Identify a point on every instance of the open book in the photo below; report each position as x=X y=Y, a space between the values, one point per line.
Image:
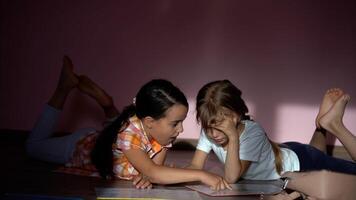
x=144 y=194
x=244 y=187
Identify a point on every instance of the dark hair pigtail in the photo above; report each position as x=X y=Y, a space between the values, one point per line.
x=102 y=154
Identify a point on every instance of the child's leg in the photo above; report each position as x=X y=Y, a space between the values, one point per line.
x=332 y=122
x=45 y=125
x=67 y=81
x=89 y=87
x=319 y=137
x=318 y=140
x=41 y=145
x=311 y=158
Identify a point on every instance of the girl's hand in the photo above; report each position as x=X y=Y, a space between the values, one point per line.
x=228 y=126
x=215 y=182
x=141 y=182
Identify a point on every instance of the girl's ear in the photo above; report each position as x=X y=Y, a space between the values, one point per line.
x=236 y=118
x=148 y=122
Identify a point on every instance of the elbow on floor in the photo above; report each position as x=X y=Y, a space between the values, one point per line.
x=231 y=180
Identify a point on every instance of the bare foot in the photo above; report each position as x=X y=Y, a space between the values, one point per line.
x=68 y=79
x=87 y=86
x=330 y=97
x=332 y=120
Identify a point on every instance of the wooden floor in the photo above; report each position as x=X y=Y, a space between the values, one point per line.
x=23 y=175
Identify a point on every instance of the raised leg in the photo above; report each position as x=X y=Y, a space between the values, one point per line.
x=332 y=122
x=40 y=143
x=89 y=87
x=318 y=139
x=67 y=81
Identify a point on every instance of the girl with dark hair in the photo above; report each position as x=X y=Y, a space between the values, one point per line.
x=243 y=146
x=132 y=146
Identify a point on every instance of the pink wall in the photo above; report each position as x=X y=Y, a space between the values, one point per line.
x=282 y=55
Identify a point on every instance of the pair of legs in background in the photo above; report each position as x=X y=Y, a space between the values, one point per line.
x=41 y=144
x=328 y=121
x=323 y=184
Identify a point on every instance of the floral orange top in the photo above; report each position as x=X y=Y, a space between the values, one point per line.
x=133 y=137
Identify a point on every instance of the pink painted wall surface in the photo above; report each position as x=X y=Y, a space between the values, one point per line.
x=282 y=54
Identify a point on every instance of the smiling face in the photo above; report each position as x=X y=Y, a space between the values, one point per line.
x=166 y=129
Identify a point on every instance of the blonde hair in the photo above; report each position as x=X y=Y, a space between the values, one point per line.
x=278 y=162
x=217 y=96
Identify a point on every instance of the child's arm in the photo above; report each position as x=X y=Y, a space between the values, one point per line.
x=234 y=166
x=198 y=160
x=141 y=181
x=166 y=175
x=160 y=157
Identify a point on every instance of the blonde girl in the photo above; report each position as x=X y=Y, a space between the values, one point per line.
x=242 y=144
